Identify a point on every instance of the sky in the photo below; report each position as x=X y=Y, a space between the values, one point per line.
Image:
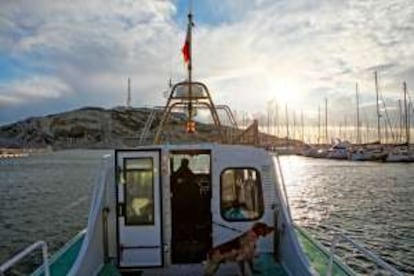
x=56 y=56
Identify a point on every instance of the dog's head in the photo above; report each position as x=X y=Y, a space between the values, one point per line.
x=261 y=229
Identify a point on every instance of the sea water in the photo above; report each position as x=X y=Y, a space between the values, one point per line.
x=373 y=202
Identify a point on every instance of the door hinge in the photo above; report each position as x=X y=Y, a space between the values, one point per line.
x=121 y=207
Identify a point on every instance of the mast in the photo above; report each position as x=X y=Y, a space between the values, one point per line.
x=410 y=107
x=287 y=124
x=269 y=104
x=294 y=125
x=346 y=127
x=326 y=120
x=400 y=135
x=276 y=118
x=357 y=106
x=407 y=131
x=378 y=111
x=303 y=127
x=319 y=124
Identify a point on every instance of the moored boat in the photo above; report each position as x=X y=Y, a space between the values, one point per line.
x=340 y=150
x=400 y=153
x=369 y=152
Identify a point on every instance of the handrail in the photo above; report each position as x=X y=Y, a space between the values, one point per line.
x=147 y=126
x=282 y=180
x=11 y=262
x=339 y=235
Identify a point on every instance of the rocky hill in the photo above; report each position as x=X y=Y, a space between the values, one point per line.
x=95 y=127
x=90 y=127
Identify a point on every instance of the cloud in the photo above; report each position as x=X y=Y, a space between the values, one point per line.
x=249 y=52
x=33 y=89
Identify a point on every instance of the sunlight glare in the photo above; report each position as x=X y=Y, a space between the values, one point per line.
x=284 y=91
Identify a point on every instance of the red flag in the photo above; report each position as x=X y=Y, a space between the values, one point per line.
x=186 y=48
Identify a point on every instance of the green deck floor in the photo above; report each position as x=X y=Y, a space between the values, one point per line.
x=109 y=270
x=319 y=257
x=63 y=260
x=266 y=265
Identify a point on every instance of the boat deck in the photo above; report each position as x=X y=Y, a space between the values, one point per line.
x=63 y=260
x=263 y=263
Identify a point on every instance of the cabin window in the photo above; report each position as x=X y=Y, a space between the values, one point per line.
x=139 y=191
x=241 y=194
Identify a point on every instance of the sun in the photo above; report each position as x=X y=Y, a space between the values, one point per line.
x=284 y=91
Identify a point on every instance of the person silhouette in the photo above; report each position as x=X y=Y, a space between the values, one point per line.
x=183 y=173
x=185 y=198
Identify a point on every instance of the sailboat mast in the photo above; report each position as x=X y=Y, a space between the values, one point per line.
x=276 y=120
x=400 y=135
x=294 y=125
x=287 y=123
x=326 y=120
x=410 y=107
x=346 y=128
x=269 y=104
x=407 y=131
x=319 y=124
x=378 y=111
x=303 y=127
x=357 y=106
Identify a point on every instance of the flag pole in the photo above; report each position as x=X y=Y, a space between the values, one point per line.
x=189 y=65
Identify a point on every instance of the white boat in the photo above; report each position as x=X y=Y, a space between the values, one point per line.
x=403 y=152
x=315 y=152
x=340 y=150
x=171 y=209
x=369 y=152
x=400 y=153
x=364 y=154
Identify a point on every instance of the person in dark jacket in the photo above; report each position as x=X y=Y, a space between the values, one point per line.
x=185 y=198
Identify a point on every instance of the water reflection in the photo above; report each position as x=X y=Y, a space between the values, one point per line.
x=372 y=201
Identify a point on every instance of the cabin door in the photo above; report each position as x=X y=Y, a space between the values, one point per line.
x=237 y=200
x=139 y=209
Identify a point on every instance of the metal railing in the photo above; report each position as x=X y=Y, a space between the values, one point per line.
x=18 y=257
x=282 y=183
x=340 y=236
x=147 y=126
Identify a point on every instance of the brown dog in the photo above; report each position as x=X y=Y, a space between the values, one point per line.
x=240 y=249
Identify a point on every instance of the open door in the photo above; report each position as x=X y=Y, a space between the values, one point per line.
x=190 y=205
x=139 y=208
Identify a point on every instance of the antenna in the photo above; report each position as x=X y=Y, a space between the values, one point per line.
x=128 y=103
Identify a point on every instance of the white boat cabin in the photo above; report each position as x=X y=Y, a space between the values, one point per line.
x=162 y=206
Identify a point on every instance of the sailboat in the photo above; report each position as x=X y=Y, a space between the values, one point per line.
x=370 y=151
x=171 y=209
x=403 y=153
